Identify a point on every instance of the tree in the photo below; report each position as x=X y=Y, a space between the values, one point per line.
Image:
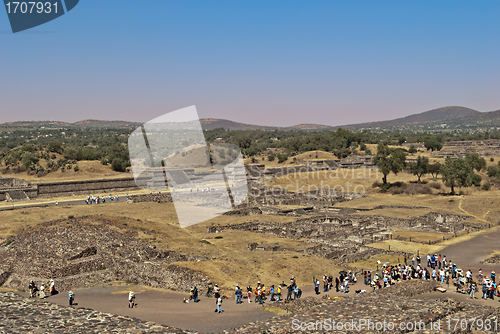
x=456 y=173
x=412 y=149
x=434 y=169
x=420 y=167
x=493 y=171
x=55 y=146
x=389 y=160
x=432 y=144
x=475 y=161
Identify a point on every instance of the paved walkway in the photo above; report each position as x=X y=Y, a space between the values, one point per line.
x=167 y=308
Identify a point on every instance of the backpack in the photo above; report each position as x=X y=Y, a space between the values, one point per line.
x=217 y=294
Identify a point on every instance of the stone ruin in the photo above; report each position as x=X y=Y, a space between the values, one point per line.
x=346 y=238
x=79 y=253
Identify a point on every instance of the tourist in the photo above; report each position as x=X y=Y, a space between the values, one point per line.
x=42 y=291
x=278 y=292
x=249 y=294
x=32 y=288
x=52 y=288
x=290 y=291
x=296 y=292
x=131 y=299
x=428 y=260
x=337 y=283
x=219 y=305
x=271 y=293
x=195 y=294
x=472 y=290
x=316 y=286
x=71 y=296
x=493 y=276
x=238 y=294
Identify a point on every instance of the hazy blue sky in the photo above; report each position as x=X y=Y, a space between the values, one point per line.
x=263 y=62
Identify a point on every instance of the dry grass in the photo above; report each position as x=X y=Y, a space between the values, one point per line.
x=232 y=263
x=422 y=236
x=89 y=170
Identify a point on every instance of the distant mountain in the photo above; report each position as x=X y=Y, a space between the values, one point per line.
x=451 y=116
x=214 y=123
x=439 y=115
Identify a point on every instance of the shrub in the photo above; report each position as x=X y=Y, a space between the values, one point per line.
x=486 y=186
x=492 y=159
x=282 y=157
x=493 y=171
x=271 y=157
x=412 y=149
x=76 y=169
x=118 y=165
x=435 y=185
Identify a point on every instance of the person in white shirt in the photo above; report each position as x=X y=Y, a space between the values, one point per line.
x=131 y=299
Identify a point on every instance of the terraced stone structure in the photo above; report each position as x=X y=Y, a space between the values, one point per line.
x=79 y=253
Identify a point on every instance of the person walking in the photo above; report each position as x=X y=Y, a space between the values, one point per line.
x=290 y=291
x=71 y=297
x=278 y=292
x=271 y=293
x=219 y=304
x=316 y=285
x=473 y=290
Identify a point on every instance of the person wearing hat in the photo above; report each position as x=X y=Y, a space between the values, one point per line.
x=493 y=276
x=131 y=299
x=42 y=291
x=71 y=296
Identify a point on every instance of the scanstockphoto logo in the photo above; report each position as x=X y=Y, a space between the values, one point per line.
x=170 y=152
x=25 y=15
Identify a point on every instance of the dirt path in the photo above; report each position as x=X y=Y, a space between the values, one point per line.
x=468 y=254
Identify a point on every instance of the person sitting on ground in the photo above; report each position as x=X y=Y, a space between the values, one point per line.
x=131 y=299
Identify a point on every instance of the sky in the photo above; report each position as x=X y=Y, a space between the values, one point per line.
x=270 y=62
